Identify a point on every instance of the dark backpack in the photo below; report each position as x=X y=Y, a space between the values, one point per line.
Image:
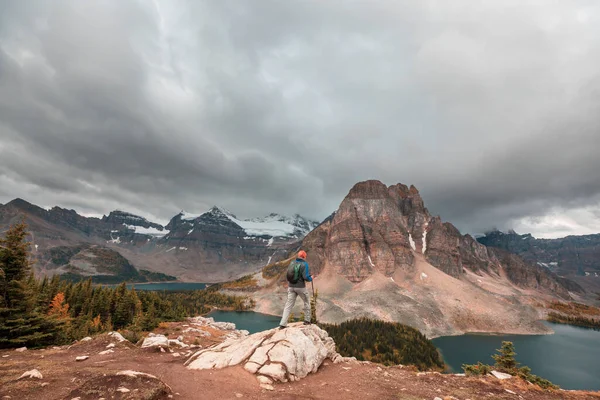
x=294 y=272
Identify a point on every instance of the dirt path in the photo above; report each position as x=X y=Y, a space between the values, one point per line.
x=333 y=381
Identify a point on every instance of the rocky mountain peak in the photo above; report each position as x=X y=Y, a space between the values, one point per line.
x=220 y=212
x=381 y=229
x=25 y=206
x=371 y=189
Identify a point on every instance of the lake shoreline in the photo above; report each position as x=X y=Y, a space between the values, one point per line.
x=568 y=356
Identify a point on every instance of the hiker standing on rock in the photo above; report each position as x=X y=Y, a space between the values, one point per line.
x=297 y=275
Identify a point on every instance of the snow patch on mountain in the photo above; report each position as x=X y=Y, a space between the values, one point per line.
x=186 y=216
x=273 y=225
x=147 y=231
x=371 y=261
x=424 y=238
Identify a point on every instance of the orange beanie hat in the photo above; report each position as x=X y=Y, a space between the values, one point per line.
x=302 y=254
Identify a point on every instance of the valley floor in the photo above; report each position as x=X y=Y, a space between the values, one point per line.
x=62 y=376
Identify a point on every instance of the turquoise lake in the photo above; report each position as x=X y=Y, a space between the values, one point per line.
x=569 y=358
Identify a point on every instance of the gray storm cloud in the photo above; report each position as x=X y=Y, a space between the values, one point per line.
x=489 y=108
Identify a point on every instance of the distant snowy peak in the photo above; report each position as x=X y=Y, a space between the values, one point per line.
x=295 y=225
x=273 y=225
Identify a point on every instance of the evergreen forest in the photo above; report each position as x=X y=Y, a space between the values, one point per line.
x=50 y=311
x=384 y=342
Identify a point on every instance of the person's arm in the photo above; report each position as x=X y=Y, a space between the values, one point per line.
x=306 y=274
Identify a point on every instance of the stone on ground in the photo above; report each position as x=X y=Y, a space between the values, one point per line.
x=34 y=373
x=501 y=375
x=81 y=358
x=117 y=336
x=135 y=374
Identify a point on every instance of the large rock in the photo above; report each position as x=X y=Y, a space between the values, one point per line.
x=281 y=355
x=154 y=341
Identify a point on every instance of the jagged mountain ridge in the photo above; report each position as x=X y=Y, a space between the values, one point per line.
x=571 y=255
x=209 y=247
x=384 y=256
x=576 y=257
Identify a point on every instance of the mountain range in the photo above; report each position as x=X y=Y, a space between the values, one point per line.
x=383 y=255
x=574 y=257
x=208 y=247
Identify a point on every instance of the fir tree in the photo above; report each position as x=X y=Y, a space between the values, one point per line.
x=505 y=361
x=20 y=322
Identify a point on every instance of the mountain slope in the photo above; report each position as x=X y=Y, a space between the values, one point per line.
x=383 y=255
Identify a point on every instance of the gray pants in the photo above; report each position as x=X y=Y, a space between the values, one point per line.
x=291 y=300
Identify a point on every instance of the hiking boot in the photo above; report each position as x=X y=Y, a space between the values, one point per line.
x=307 y=323
x=282 y=327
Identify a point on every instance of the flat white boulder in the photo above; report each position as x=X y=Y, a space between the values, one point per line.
x=86 y=339
x=81 y=358
x=34 y=373
x=154 y=341
x=281 y=355
x=501 y=375
x=21 y=349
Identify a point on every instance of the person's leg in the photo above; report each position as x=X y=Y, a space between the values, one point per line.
x=289 y=304
x=303 y=293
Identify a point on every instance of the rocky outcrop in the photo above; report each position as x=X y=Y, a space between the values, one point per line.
x=278 y=355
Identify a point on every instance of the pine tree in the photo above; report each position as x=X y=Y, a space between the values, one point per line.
x=20 y=322
x=14 y=263
x=505 y=361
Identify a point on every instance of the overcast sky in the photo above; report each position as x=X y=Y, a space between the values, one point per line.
x=490 y=108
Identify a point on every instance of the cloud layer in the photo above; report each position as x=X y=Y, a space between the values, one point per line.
x=489 y=108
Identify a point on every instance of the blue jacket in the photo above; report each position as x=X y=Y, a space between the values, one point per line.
x=306 y=277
